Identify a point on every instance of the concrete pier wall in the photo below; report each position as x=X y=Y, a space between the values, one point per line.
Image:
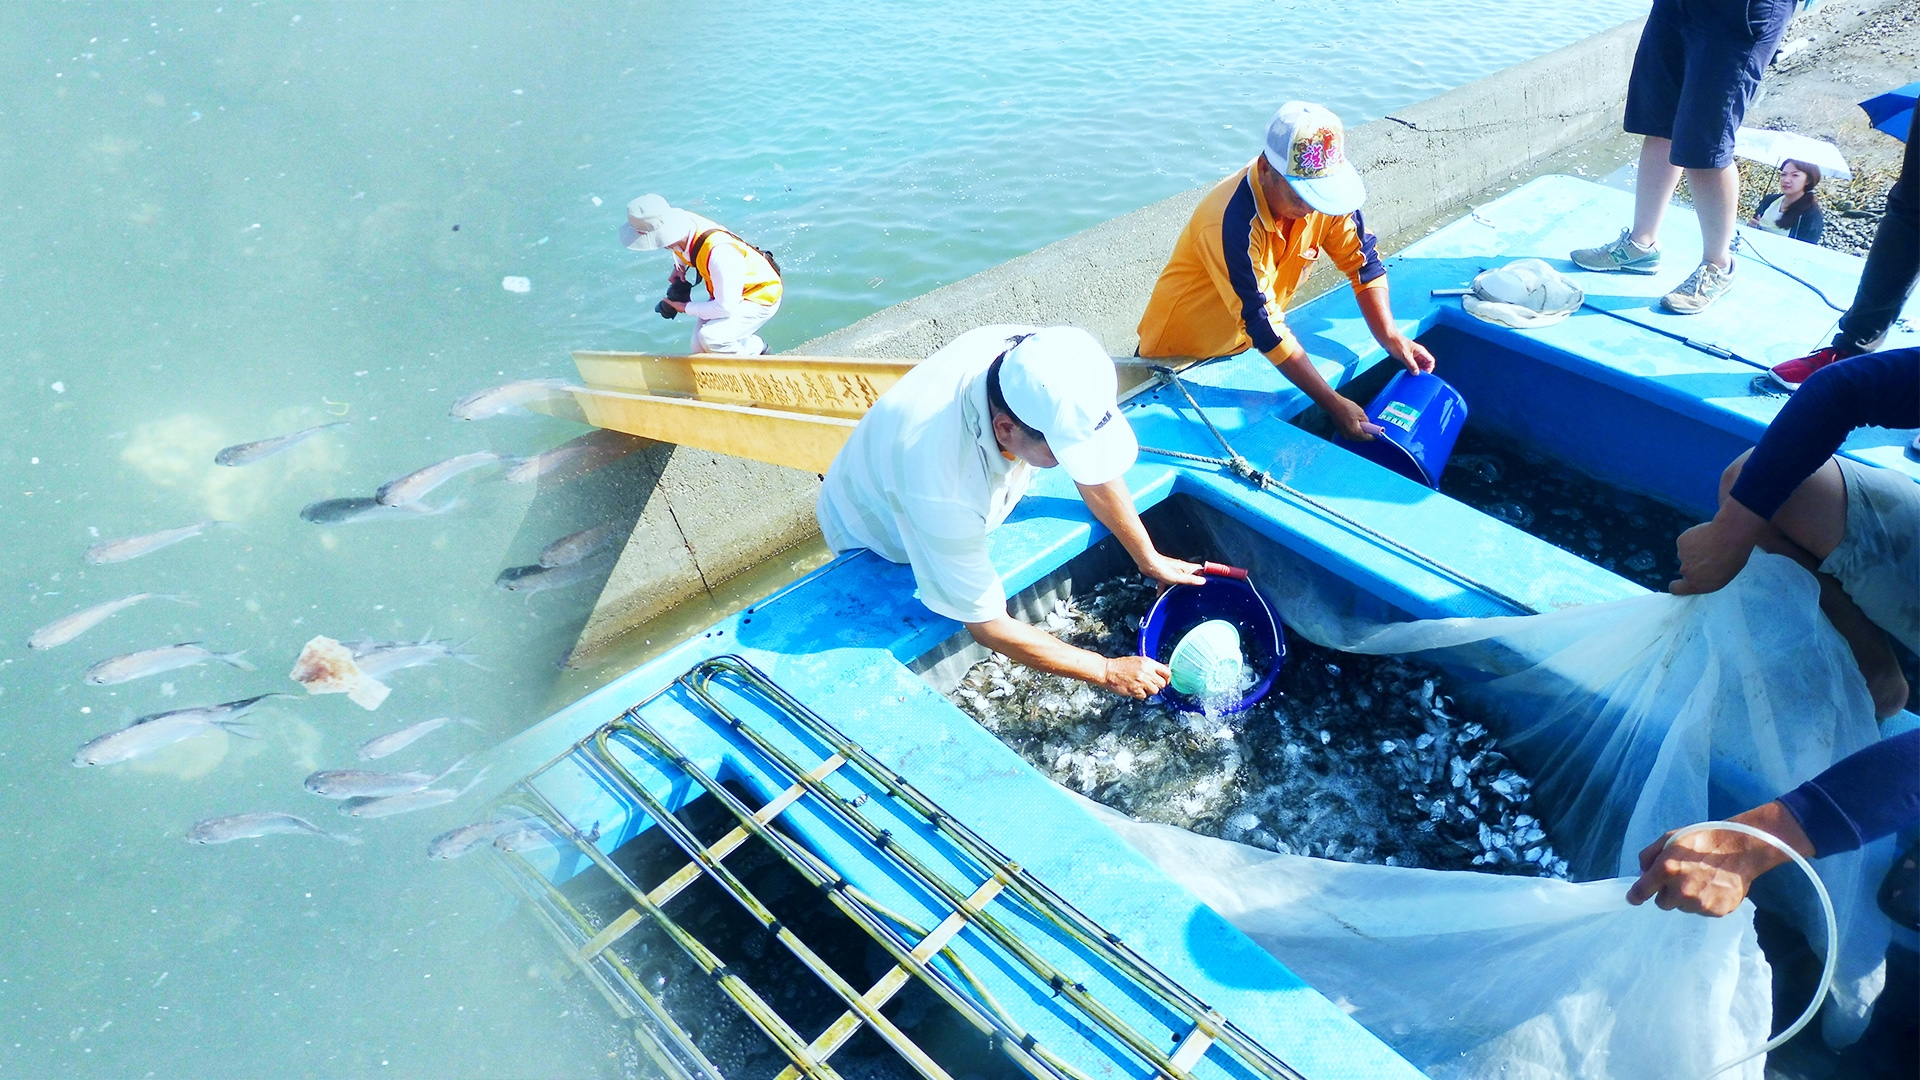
x=711 y=517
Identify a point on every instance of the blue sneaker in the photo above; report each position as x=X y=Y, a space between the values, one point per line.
x=1622 y=255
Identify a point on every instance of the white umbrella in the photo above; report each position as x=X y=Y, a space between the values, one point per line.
x=1775 y=147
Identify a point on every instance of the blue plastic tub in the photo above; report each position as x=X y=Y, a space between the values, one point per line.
x=1226 y=595
x=1422 y=417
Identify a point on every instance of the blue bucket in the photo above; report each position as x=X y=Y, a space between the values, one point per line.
x=1422 y=416
x=1226 y=595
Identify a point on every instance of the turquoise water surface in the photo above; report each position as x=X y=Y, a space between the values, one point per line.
x=232 y=221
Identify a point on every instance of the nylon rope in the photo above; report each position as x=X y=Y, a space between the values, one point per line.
x=1260 y=478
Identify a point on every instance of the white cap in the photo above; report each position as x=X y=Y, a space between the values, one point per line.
x=653 y=224
x=1308 y=145
x=1060 y=381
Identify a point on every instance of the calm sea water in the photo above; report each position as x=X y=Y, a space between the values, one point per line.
x=230 y=221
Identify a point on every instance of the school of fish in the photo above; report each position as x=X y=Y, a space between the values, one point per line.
x=362 y=794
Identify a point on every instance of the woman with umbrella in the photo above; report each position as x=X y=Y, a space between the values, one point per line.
x=1794 y=209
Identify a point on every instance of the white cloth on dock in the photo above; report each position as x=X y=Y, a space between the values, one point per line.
x=1525 y=294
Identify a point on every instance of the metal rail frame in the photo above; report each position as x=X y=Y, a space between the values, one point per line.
x=918 y=953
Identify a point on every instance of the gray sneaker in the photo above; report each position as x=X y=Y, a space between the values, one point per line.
x=1622 y=254
x=1700 y=290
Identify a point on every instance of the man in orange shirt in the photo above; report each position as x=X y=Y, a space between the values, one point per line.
x=1251 y=243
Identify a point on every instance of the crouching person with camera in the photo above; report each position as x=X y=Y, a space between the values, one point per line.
x=742 y=281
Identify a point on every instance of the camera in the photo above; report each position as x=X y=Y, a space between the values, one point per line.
x=679 y=289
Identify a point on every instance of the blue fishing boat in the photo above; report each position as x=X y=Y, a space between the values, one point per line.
x=798 y=763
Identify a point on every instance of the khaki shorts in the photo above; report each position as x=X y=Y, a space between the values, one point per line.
x=1878 y=561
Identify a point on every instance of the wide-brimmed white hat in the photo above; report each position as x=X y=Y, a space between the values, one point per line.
x=1308 y=145
x=653 y=224
x=1062 y=382
x=1524 y=294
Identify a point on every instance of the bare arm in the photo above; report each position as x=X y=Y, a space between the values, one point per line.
x=1378 y=311
x=1297 y=366
x=1130 y=676
x=1112 y=505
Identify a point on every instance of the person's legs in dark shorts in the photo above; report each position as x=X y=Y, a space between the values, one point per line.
x=1694 y=73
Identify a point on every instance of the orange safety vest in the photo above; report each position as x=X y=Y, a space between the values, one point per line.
x=763 y=279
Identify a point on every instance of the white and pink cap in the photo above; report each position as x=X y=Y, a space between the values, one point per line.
x=1308 y=145
x=1062 y=382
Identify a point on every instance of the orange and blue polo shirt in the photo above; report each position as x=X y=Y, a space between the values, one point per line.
x=1235 y=267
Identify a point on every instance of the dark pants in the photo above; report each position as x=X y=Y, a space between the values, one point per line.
x=1695 y=71
x=1892 y=263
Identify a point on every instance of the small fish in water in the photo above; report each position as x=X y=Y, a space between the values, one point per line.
x=425 y=799
x=67 y=627
x=381 y=745
x=573 y=547
x=576 y=457
x=154 y=661
x=537 y=578
x=531 y=833
x=259 y=823
x=145 y=736
x=457 y=842
x=350 y=511
x=510 y=397
x=377 y=658
x=226 y=710
x=362 y=784
x=132 y=547
x=417 y=485
x=249 y=452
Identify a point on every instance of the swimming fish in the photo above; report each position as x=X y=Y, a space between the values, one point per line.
x=360 y=508
x=573 y=547
x=147 y=662
x=258 y=823
x=377 y=658
x=247 y=453
x=531 y=833
x=67 y=627
x=362 y=784
x=381 y=745
x=424 y=799
x=457 y=842
x=226 y=710
x=575 y=457
x=143 y=737
x=512 y=396
x=132 y=547
x=537 y=578
x=416 y=485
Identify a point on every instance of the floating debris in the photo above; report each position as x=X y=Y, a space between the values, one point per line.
x=326 y=667
x=1356 y=758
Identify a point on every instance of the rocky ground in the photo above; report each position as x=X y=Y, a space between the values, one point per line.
x=1355 y=758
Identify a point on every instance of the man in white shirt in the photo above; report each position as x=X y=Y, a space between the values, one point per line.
x=743 y=284
x=943 y=456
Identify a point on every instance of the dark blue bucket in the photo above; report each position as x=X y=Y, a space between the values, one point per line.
x=1422 y=416
x=1226 y=595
